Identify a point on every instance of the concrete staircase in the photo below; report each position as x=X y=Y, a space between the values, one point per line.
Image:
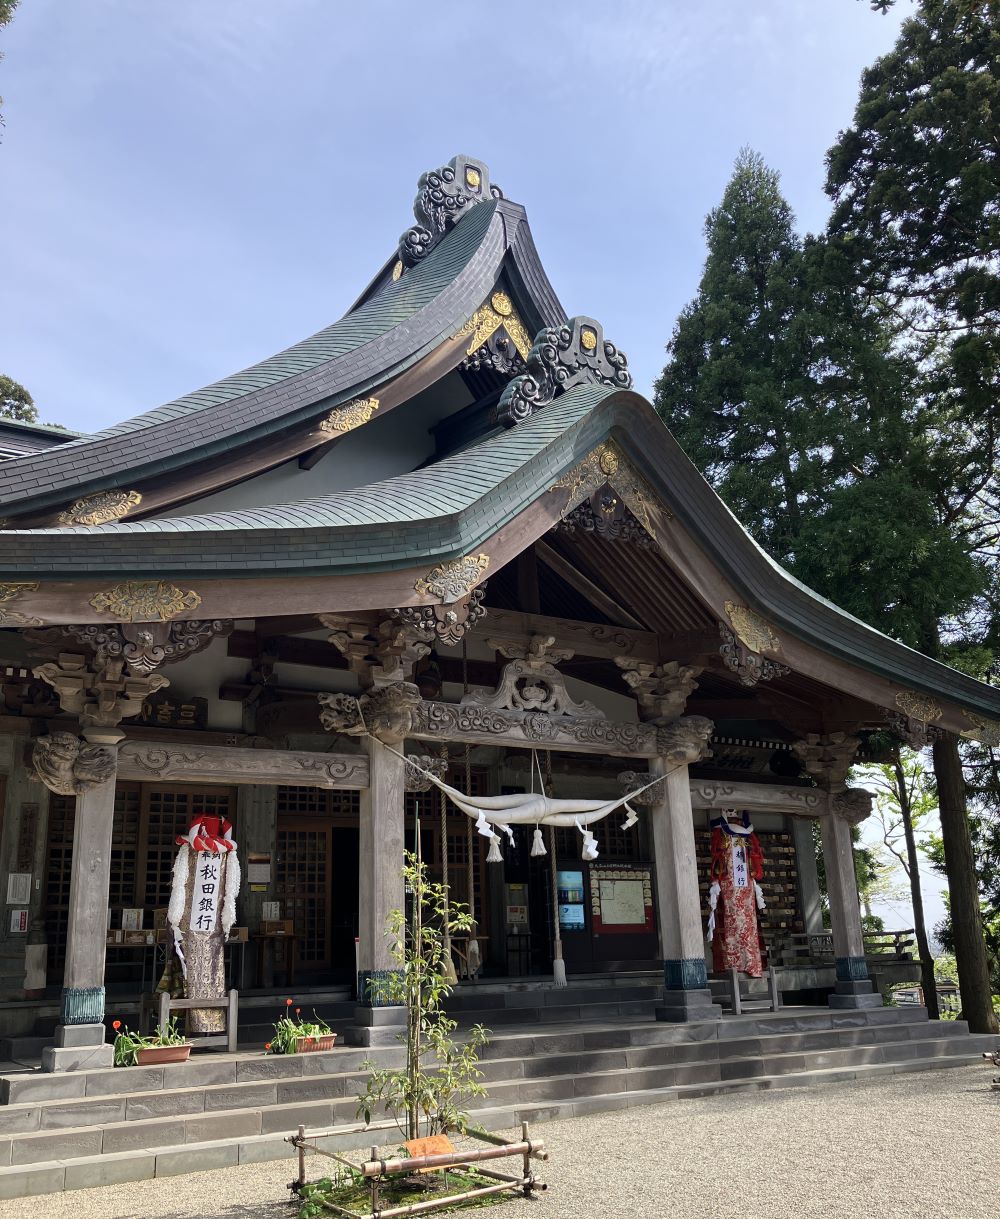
x=561 y=1059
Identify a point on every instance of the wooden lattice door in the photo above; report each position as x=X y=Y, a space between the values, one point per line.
x=302 y=883
x=166 y=814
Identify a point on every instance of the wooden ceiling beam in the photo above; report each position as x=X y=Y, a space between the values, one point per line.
x=582 y=584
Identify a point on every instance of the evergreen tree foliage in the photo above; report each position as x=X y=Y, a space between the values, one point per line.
x=16 y=402
x=916 y=189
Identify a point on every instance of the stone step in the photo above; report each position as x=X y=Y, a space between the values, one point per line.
x=122 y=1122
x=77 y=1172
x=246 y=1081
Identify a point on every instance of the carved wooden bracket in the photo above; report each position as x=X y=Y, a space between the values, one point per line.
x=531 y=682
x=144 y=646
x=445 y=623
x=661 y=691
x=827 y=759
x=69 y=766
x=748 y=667
x=685 y=740
x=101 y=697
x=386 y=712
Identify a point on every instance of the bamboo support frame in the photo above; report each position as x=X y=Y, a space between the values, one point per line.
x=377 y=1171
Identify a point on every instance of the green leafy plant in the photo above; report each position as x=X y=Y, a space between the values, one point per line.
x=127 y=1044
x=289 y=1029
x=440 y=1074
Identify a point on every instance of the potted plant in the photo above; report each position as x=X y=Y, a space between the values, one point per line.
x=293 y=1035
x=167 y=1044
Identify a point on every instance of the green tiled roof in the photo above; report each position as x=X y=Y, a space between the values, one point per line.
x=399 y=300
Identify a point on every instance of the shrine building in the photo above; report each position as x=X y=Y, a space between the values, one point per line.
x=444 y=528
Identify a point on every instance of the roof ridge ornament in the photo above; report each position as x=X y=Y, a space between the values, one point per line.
x=444 y=196
x=561 y=358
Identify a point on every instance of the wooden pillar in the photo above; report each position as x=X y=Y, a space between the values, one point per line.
x=380 y=863
x=808 y=875
x=79 y=1037
x=854 y=988
x=682 y=939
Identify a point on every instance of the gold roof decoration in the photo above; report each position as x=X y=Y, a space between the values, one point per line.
x=986 y=732
x=397 y=271
x=145 y=601
x=9 y=591
x=918 y=706
x=349 y=416
x=100 y=508
x=486 y=321
x=607 y=464
x=588 y=338
x=753 y=631
x=450 y=582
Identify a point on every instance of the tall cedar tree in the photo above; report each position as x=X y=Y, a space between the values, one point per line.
x=916 y=189
x=777 y=387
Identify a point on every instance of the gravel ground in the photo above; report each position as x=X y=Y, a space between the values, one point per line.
x=920 y=1146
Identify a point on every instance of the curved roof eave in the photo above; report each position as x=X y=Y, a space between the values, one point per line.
x=380 y=337
x=448 y=509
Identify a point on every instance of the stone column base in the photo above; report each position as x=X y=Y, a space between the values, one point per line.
x=854 y=988
x=78 y=1047
x=854 y=995
x=686 y=1006
x=376 y=1026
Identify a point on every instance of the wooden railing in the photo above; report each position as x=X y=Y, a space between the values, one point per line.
x=802 y=947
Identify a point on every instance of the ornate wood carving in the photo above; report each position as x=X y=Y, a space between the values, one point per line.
x=747 y=666
x=531 y=682
x=560 y=358
x=606 y=517
x=145 y=601
x=487 y=320
x=918 y=706
x=444 y=196
x=349 y=416
x=69 y=766
x=751 y=629
x=662 y=690
x=435 y=721
x=606 y=466
x=9 y=591
x=632 y=780
x=10 y=617
x=827 y=759
x=854 y=804
x=224 y=764
x=446 y=623
x=414 y=780
x=987 y=732
x=797 y=801
x=685 y=740
x=144 y=647
x=386 y=712
x=450 y=582
x=101 y=507
x=101 y=697
x=915 y=733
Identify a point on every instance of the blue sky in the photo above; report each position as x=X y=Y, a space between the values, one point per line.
x=191 y=185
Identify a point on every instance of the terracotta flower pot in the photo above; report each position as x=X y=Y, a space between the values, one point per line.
x=153 y=1054
x=311 y=1045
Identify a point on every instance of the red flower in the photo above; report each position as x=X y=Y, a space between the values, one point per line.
x=116 y=1025
x=289 y=1002
x=298 y=1010
x=267 y=1045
